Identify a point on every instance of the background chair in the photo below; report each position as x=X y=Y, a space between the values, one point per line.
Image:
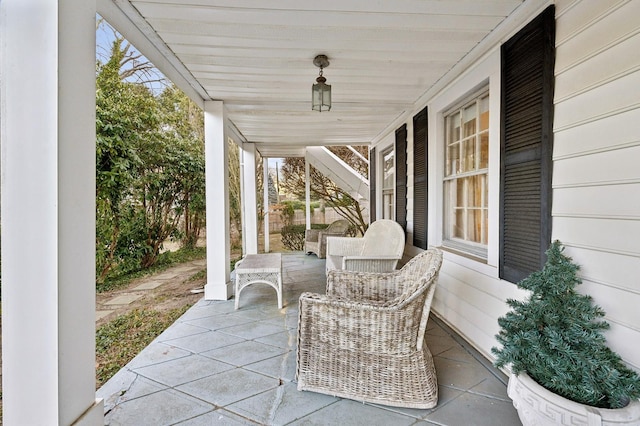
x=377 y=251
x=315 y=240
x=364 y=339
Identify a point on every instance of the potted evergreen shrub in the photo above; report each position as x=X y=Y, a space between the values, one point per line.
x=562 y=370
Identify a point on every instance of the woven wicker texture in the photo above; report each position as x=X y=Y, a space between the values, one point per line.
x=315 y=240
x=378 y=250
x=363 y=340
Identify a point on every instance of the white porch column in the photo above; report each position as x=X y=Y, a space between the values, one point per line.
x=307 y=190
x=48 y=212
x=250 y=201
x=219 y=286
x=265 y=187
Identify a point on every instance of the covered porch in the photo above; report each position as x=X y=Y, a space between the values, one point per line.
x=400 y=72
x=218 y=365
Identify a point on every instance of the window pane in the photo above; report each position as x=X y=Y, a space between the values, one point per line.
x=453 y=160
x=387 y=205
x=459 y=193
x=389 y=170
x=469 y=121
x=469 y=160
x=466 y=170
x=484 y=150
x=453 y=128
x=458 y=226
x=484 y=113
x=474 y=191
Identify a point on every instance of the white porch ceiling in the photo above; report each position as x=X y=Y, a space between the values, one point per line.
x=257 y=57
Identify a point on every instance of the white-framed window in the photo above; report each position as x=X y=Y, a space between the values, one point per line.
x=466 y=176
x=388 y=183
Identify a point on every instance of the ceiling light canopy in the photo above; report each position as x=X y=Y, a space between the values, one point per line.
x=320 y=91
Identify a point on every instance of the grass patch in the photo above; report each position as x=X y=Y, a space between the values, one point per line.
x=118 y=341
x=165 y=261
x=200 y=275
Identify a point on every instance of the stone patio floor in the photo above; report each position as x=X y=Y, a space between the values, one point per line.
x=220 y=366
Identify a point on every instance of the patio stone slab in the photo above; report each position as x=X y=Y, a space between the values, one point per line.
x=253 y=330
x=347 y=412
x=124 y=299
x=102 y=314
x=286 y=339
x=244 y=353
x=160 y=408
x=219 y=417
x=125 y=385
x=459 y=375
x=281 y=405
x=439 y=344
x=204 y=310
x=182 y=370
x=180 y=329
x=166 y=276
x=229 y=386
x=491 y=387
x=149 y=285
x=457 y=353
x=156 y=353
x=203 y=342
x=477 y=410
x=219 y=322
x=280 y=367
x=445 y=395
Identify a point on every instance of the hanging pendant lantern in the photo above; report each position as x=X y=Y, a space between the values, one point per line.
x=320 y=91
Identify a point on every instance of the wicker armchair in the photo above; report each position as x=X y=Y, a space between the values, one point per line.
x=315 y=240
x=377 y=251
x=364 y=339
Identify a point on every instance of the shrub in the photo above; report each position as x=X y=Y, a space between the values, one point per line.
x=293 y=235
x=555 y=336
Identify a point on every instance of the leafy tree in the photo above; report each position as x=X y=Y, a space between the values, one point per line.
x=150 y=168
x=235 y=203
x=184 y=124
x=125 y=115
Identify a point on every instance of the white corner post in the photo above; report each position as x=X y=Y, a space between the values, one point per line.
x=48 y=212
x=265 y=189
x=307 y=190
x=219 y=286
x=249 y=199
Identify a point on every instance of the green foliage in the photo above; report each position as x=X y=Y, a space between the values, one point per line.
x=118 y=341
x=286 y=213
x=122 y=278
x=556 y=337
x=149 y=169
x=293 y=235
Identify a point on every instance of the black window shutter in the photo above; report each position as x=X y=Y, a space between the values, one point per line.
x=372 y=185
x=420 y=180
x=526 y=147
x=401 y=176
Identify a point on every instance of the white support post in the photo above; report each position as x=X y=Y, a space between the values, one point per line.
x=219 y=286
x=307 y=190
x=48 y=212
x=250 y=201
x=265 y=187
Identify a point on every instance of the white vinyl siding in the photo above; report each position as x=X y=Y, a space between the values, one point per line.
x=596 y=181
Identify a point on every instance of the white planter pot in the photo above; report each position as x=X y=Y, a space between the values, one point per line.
x=538 y=406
